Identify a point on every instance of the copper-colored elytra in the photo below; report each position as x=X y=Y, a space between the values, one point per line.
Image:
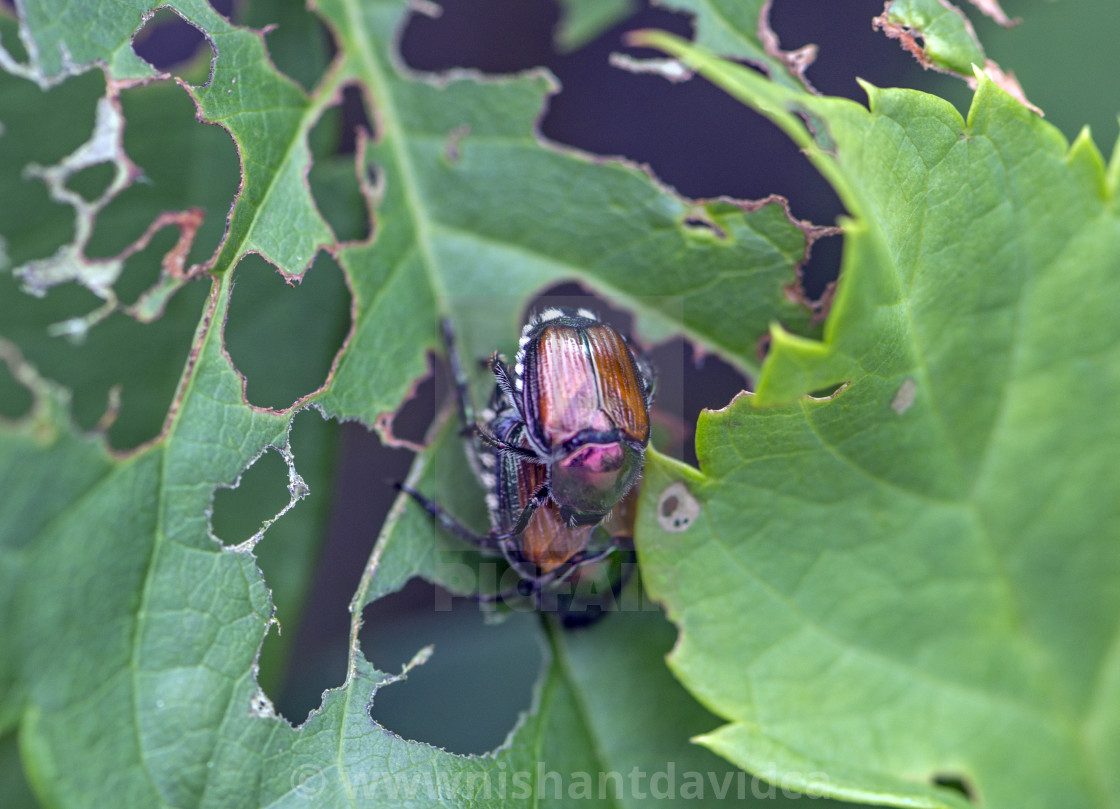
x=576 y=380
x=547 y=542
x=567 y=394
x=620 y=394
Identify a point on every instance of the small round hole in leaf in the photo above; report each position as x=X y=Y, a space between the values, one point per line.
x=677 y=509
x=669 y=505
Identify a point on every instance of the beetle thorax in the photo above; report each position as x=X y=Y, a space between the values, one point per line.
x=595 y=459
x=587 y=482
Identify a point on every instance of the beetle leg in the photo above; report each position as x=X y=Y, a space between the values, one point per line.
x=534 y=503
x=485 y=542
x=470 y=429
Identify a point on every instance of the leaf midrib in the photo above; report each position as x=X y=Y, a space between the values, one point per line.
x=394 y=136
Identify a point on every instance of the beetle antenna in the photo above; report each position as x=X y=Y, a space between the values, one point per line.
x=501 y=374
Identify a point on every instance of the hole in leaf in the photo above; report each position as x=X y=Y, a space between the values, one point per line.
x=849 y=47
x=15 y=399
x=333 y=178
x=823 y=266
x=26 y=209
x=167 y=41
x=161 y=130
x=290 y=548
x=142 y=269
x=957 y=783
x=469 y=694
x=224 y=7
x=298 y=42
x=829 y=392
x=284 y=338
x=91 y=182
x=310 y=655
x=354 y=117
x=145 y=360
x=262 y=493
x=415 y=416
x=494 y=36
x=704 y=227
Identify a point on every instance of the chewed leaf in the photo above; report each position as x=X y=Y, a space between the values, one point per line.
x=70 y=262
x=450 y=159
x=913 y=551
x=112 y=569
x=940 y=36
x=947 y=40
x=740 y=29
x=274 y=213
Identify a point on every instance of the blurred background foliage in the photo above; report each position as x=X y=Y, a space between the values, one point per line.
x=693 y=138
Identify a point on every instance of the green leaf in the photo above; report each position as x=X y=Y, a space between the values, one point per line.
x=583 y=20
x=62 y=38
x=740 y=29
x=178 y=717
x=134 y=634
x=924 y=562
x=473 y=217
x=948 y=41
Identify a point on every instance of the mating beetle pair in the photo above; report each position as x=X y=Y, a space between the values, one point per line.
x=559 y=449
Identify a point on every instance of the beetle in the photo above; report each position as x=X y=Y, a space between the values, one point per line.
x=559 y=450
